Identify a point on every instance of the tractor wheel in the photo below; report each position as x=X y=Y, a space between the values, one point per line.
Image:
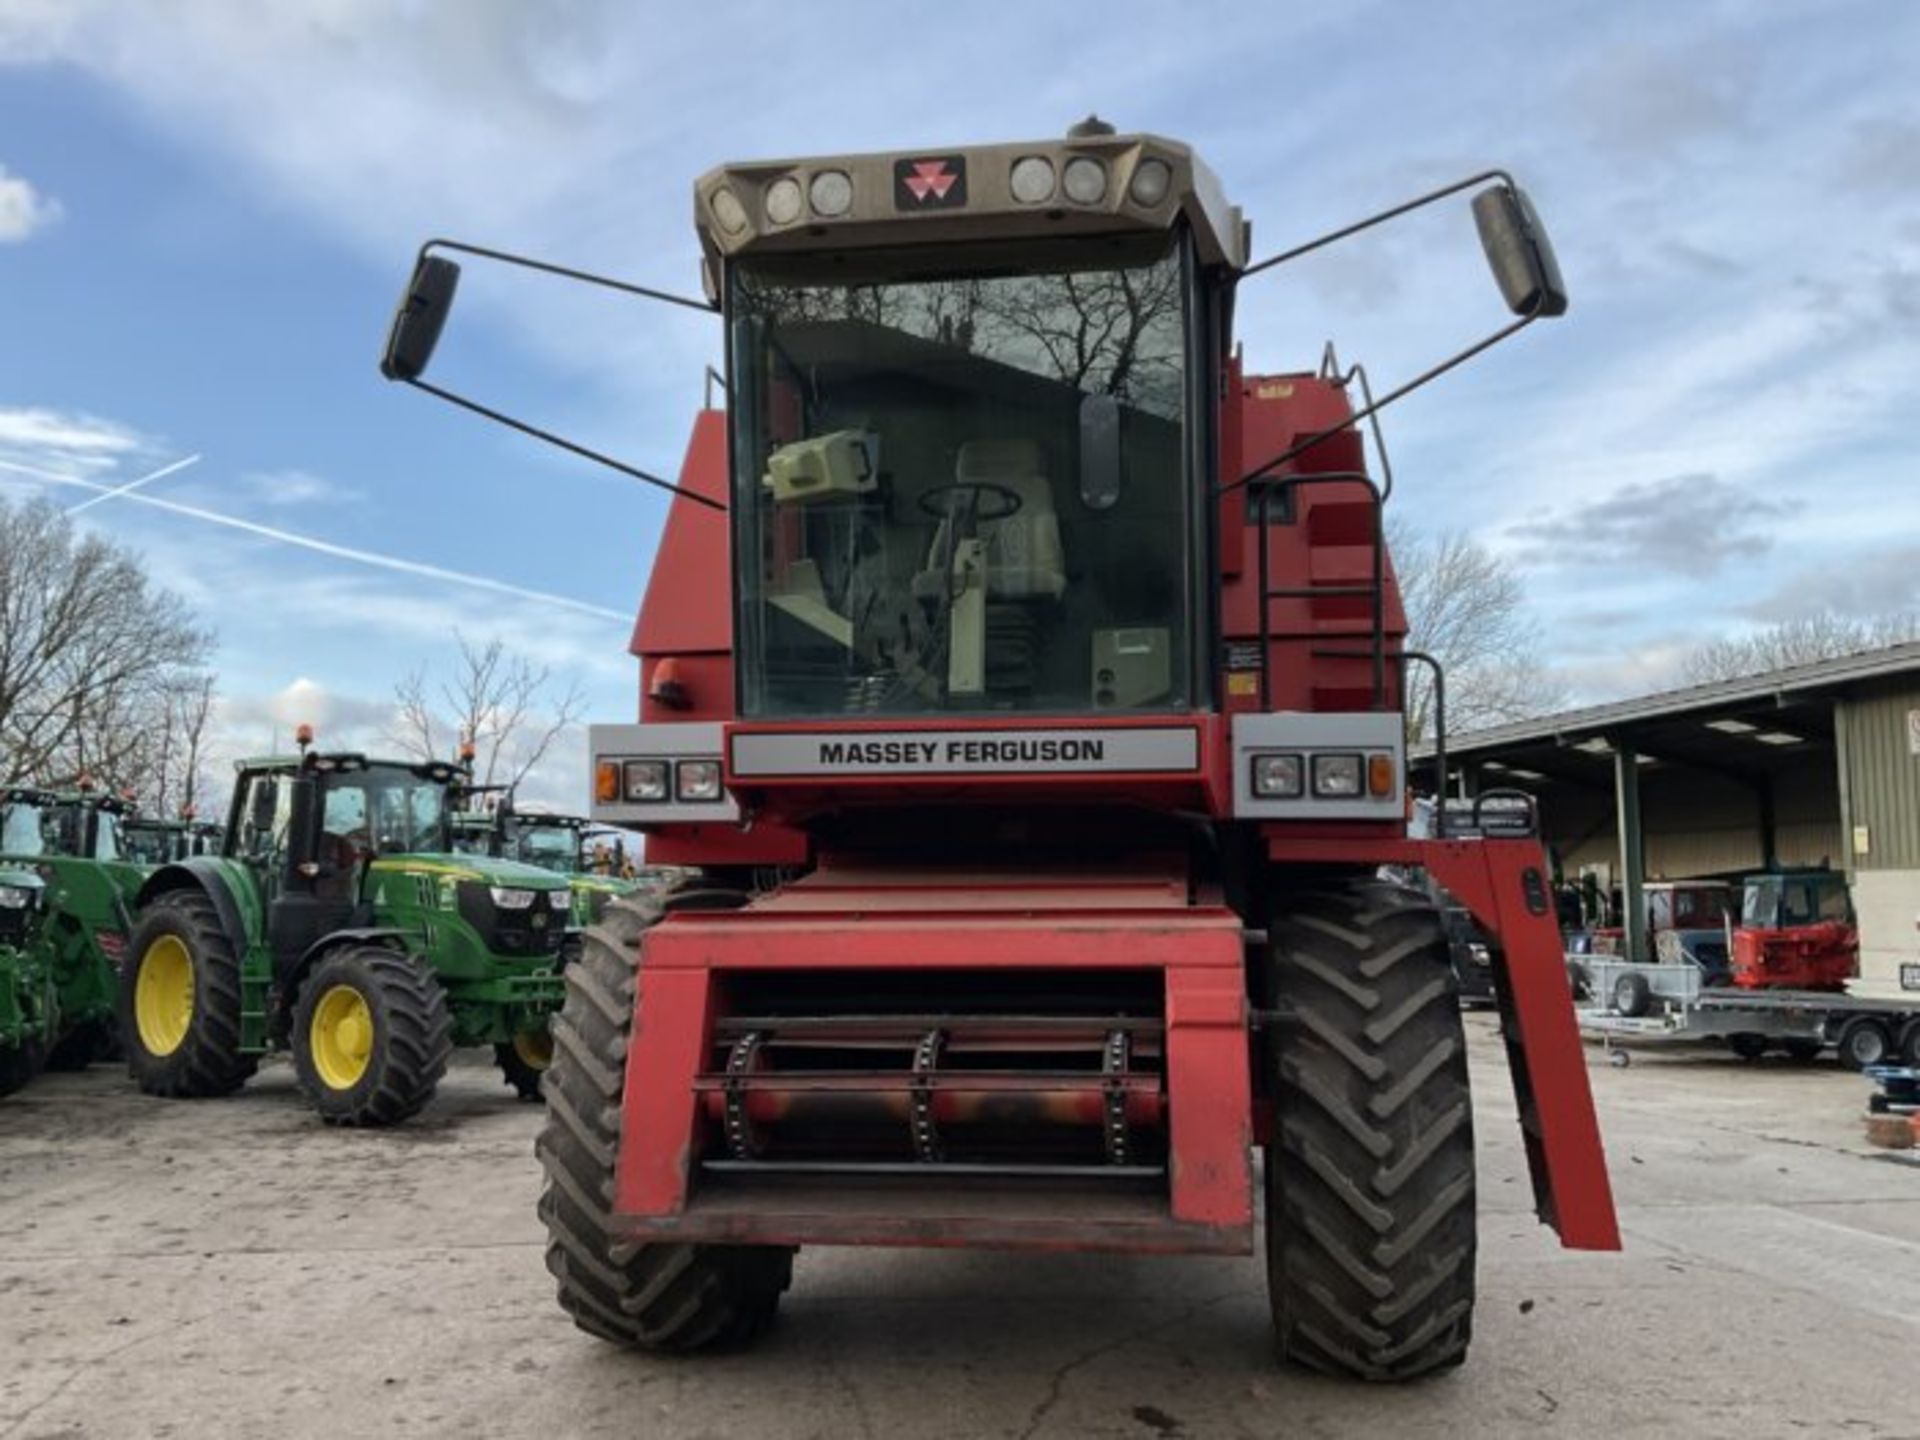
x=180 y=1001
x=1370 y=1178
x=661 y=1296
x=524 y=1059
x=18 y=1065
x=371 y=1036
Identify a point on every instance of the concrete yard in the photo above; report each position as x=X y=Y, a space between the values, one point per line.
x=233 y=1268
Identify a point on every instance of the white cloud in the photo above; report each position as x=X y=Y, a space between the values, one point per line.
x=68 y=441
x=288 y=488
x=23 y=208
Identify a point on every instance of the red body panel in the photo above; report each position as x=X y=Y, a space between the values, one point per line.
x=955 y=922
x=1796 y=957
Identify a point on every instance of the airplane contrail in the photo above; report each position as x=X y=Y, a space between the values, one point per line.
x=132 y=485
x=325 y=547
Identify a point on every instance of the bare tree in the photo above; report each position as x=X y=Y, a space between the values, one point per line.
x=89 y=644
x=1800 y=641
x=1467 y=608
x=498 y=700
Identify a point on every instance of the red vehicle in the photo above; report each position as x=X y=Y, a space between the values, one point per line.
x=1020 y=689
x=1796 y=932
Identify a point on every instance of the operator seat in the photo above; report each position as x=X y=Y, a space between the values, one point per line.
x=1024 y=559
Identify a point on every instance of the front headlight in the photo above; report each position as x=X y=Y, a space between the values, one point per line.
x=645 y=780
x=1336 y=776
x=1277 y=777
x=508 y=898
x=697 y=780
x=15 y=897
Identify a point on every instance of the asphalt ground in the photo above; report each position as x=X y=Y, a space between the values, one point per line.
x=234 y=1268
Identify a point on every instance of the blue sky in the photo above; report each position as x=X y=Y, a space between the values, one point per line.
x=207 y=209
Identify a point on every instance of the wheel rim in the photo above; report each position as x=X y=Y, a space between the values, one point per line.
x=1867 y=1045
x=163 y=995
x=535 y=1048
x=340 y=1037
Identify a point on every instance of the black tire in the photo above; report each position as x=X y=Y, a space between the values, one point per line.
x=85 y=1045
x=1910 y=1045
x=665 y=1296
x=1579 y=981
x=1370 y=1176
x=522 y=1063
x=405 y=1052
x=1747 y=1045
x=1863 y=1041
x=208 y=1060
x=18 y=1065
x=1632 y=995
x=1802 y=1049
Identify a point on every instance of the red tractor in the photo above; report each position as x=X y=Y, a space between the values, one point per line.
x=1021 y=691
x=1796 y=932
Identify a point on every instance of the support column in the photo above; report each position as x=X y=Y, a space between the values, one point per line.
x=1769 y=827
x=1633 y=870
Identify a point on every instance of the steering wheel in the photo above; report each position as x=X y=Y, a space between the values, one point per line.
x=1010 y=501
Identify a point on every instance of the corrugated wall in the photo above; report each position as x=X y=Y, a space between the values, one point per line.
x=1883 y=777
x=1701 y=824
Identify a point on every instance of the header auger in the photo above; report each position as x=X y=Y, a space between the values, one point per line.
x=1021 y=686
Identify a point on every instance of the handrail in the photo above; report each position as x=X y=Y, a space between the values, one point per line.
x=1263 y=487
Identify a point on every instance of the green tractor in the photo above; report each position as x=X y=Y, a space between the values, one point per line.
x=72 y=842
x=556 y=843
x=337 y=922
x=152 y=841
x=28 y=1006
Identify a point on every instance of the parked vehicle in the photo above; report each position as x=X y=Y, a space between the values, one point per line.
x=338 y=923
x=1687 y=920
x=1796 y=932
x=29 y=1002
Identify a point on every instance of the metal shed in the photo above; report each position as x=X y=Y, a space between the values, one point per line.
x=1810 y=765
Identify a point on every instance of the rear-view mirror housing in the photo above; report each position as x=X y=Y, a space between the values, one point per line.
x=1518 y=252
x=420 y=317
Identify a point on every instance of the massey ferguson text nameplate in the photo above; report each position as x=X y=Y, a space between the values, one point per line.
x=1157 y=750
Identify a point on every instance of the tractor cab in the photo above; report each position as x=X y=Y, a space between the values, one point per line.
x=149 y=840
x=78 y=824
x=1796 y=931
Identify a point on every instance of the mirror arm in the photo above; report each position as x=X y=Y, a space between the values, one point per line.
x=1368 y=412
x=585 y=276
x=1372 y=220
x=552 y=439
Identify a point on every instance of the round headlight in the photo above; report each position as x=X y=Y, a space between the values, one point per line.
x=783 y=200
x=831 y=193
x=1151 y=181
x=728 y=212
x=1032 y=179
x=1085 y=180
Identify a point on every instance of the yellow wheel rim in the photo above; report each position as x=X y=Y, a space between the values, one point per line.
x=340 y=1037
x=163 y=995
x=535 y=1048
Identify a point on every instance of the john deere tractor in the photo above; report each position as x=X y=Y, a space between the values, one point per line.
x=552 y=842
x=28 y=1007
x=338 y=923
x=71 y=842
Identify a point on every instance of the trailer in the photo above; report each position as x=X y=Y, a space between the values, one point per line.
x=1630 y=1000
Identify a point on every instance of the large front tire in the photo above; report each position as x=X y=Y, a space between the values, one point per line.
x=525 y=1060
x=665 y=1296
x=1370 y=1174
x=371 y=1036
x=179 y=1001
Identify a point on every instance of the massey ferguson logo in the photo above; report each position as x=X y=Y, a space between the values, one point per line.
x=939 y=183
x=1146 y=750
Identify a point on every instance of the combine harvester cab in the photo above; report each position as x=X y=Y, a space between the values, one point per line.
x=338 y=922
x=1021 y=689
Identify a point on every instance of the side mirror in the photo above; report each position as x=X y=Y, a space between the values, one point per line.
x=1099 y=451
x=1518 y=252
x=421 y=316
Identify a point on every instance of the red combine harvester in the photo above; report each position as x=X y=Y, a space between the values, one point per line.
x=1021 y=680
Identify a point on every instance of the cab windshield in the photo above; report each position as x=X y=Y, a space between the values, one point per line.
x=21 y=829
x=551 y=847
x=387 y=810
x=963 y=494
